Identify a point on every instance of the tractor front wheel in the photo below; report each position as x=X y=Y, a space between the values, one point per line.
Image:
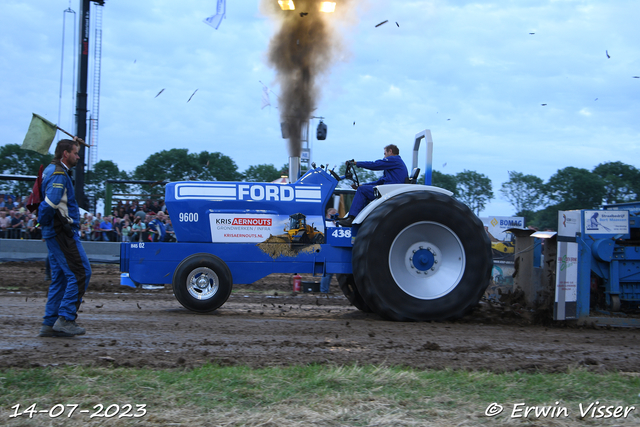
x=202 y=282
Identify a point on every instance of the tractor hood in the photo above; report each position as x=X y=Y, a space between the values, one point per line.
x=244 y=212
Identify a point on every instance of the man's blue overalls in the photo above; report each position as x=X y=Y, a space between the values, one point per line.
x=59 y=217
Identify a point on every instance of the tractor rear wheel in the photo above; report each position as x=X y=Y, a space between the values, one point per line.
x=422 y=256
x=202 y=282
x=349 y=289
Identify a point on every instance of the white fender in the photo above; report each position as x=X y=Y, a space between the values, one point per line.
x=391 y=190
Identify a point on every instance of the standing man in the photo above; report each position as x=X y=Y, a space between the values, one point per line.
x=59 y=217
x=325 y=282
x=395 y=172
x=157 y=227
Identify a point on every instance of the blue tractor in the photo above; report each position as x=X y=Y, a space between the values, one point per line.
x=413 y=254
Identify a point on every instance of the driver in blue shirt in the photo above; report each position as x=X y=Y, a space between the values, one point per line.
x=395 y=172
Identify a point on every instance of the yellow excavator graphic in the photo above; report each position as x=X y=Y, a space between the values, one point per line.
x=302 y=233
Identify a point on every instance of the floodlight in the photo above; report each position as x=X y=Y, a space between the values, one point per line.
x=286 y=4
x=321 y=131
x=328 y=6
x=544 y=234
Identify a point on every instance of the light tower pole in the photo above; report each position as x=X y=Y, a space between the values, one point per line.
x=81 y=97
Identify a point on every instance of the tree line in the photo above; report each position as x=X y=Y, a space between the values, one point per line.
x=538 y=201
x=531 y=197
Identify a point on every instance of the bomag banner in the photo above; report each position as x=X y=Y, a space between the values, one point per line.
x=495 y=226
x=502 y=243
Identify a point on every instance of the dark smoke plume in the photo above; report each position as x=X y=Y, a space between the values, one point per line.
x=301 y=51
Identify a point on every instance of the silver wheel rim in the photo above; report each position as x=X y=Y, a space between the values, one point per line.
x=202 y=283
x=427 y=260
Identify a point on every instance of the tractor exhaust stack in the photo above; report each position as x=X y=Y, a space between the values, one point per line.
x=294 y=169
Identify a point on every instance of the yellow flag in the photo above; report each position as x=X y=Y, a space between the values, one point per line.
x=40 y=135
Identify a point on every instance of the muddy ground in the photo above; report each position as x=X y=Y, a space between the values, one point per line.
x=265 y=324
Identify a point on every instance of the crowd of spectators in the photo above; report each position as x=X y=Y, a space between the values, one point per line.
x=16 y=222
x=130 y=221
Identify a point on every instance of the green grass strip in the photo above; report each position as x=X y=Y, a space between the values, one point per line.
x=325 y=395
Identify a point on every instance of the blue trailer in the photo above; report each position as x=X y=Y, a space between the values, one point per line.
x=414 y=253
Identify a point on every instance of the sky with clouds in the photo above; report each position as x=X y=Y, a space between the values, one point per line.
x=470 y=71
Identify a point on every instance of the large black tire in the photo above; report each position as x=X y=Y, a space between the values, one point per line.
x=422 y=256
x=349 y=289
x=202 y=282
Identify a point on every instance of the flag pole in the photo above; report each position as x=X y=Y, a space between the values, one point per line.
x=75 y=138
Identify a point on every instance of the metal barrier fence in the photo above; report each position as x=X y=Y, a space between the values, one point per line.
x=36 y=250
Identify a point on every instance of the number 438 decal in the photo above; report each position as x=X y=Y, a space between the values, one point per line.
x=342 y=232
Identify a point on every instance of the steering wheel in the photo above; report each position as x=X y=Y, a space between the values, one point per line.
x=351 y=174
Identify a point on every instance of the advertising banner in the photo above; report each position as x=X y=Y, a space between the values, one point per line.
x=253 y=228
x=503 y=244
x=606 y=222
x=569 y=223
x=496 y=226
x=566 y=281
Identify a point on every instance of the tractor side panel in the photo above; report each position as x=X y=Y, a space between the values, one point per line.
x=244 y=225
x=154 y=263
x=237 y=212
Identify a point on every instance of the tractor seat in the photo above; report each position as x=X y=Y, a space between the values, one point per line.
x=413 y=177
